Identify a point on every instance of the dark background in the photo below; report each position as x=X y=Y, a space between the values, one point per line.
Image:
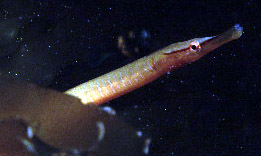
x=209 y=107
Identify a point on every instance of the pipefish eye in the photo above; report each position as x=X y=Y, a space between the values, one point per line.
x=194 y=46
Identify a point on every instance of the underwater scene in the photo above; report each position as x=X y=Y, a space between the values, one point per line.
x=130 y=78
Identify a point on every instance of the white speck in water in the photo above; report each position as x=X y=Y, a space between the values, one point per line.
x=101 y=130
x=139 y=133
x=30 y=147
x=75 y=151
x=146 y=146
x=109 y=110
x=30 y=132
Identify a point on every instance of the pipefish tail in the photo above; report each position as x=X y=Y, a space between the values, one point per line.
x=149 y=68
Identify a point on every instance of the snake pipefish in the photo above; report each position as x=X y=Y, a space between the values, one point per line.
x=149 y=68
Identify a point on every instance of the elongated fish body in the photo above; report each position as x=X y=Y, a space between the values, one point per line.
x=149 y=68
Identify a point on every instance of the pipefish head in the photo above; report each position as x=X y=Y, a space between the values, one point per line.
x=194 y=49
